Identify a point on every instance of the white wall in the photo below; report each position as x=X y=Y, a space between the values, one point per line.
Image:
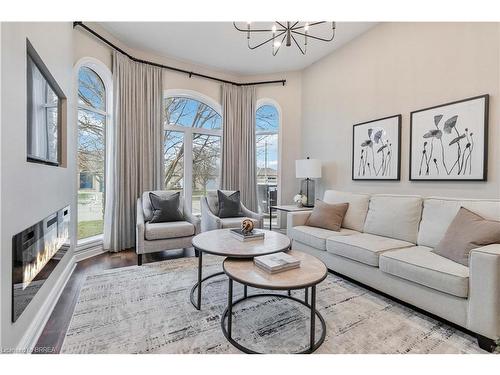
x=288 y=97
x=30 y=192
x=397 y=68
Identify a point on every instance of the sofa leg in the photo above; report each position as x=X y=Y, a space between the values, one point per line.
x=196 y=253
x=139 y=259
x=486 y=343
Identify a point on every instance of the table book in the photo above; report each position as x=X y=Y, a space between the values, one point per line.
x=251 y=236
x=274 y=263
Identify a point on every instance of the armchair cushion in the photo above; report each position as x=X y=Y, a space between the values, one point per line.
x=229 y=204
x=174 y=229
x=165 y=209
x=147 y=209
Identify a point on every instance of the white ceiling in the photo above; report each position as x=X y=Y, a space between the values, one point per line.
x=219 y=46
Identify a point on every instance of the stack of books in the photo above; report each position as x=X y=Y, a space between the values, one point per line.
x=244 y=236
x=274 y=263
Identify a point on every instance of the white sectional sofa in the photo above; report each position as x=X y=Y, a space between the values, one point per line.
x=386 y=242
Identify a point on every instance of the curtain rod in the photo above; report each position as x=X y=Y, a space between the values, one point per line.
x=190 y=73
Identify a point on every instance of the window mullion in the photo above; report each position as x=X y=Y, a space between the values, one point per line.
x=188 y=169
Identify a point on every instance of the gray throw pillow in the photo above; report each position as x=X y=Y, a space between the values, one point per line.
x=327 y=216
x=229 y=205
x=467 y=231
x=165 y=209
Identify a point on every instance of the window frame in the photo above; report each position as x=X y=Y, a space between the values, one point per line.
x=188 y=133
x=271 y=102
x=106 y=77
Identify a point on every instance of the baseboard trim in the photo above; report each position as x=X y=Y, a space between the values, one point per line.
x=30 y=338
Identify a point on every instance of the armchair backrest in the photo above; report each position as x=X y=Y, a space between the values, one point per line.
x=213 y=200
x=147 y=209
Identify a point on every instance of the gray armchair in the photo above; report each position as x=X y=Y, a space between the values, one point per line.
x=154 y=237
x=210 y=209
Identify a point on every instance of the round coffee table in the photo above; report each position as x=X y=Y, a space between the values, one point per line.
x=311 y=272
x=221 y=242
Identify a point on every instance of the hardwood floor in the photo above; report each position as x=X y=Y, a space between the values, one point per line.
x=54 y=331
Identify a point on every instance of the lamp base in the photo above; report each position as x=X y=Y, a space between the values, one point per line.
x=307 y=188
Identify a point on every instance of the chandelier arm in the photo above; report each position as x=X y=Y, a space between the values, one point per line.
x=254 y=30
x=267 y=41
x=297 y=44
x=295 y=24
x=282 y=40
x=311 y=24
x=279 y=23
x=315 y=37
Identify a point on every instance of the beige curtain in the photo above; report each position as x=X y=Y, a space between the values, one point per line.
x=238 y=149
x=136 y=153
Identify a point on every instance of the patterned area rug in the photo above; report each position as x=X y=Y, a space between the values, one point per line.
x=147 y=310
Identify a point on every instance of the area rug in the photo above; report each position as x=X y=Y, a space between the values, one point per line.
x=146 y=309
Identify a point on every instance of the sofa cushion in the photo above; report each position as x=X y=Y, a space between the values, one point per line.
x=438 y=213
x=467 y=231
x=316 y=237
x=356 y=212
x=173 y=229
x=363 y=247
x=235 y=222
x=327 y=216
x=147 y=209
x=420 y=265
x=395 y=216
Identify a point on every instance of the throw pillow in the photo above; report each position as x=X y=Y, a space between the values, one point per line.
x=467 y=231
x=165 y=209
x=327 y=216
x=229 y=205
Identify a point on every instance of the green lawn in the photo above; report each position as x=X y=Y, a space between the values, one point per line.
x=90 y=228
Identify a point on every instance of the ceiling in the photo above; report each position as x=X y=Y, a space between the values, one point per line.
x=219 y=46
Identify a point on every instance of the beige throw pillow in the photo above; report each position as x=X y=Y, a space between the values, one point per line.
x=467 y=231
x=327 y=216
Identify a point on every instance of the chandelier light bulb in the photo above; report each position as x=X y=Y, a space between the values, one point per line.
x=306 y=27
x=277 y=44
x=273 y=29
x=249 y=22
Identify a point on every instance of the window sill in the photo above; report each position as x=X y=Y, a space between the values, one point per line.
x=86 y=243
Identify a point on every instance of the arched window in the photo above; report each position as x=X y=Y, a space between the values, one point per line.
x=93 y=118
x=192 y=148
x=267 y=124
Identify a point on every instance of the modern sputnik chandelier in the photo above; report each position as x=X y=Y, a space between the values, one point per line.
x=285 y=33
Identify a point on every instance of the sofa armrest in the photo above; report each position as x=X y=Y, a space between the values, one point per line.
x=253 y=215
x=294 y=219
x=196 y=221
x=484 y=291
x=139 y=229
x=208 y=220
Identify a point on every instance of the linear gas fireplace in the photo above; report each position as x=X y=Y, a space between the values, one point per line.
x=36 y=251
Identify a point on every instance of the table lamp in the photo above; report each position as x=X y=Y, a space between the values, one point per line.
x=308 y=169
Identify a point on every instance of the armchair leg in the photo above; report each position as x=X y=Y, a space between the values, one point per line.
x=139 y=259
x=486 y=343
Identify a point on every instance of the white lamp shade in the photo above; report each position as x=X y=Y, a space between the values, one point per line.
x=308 y=168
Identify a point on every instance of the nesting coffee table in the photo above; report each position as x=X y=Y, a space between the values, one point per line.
x=220 y=242
x=312 y=271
